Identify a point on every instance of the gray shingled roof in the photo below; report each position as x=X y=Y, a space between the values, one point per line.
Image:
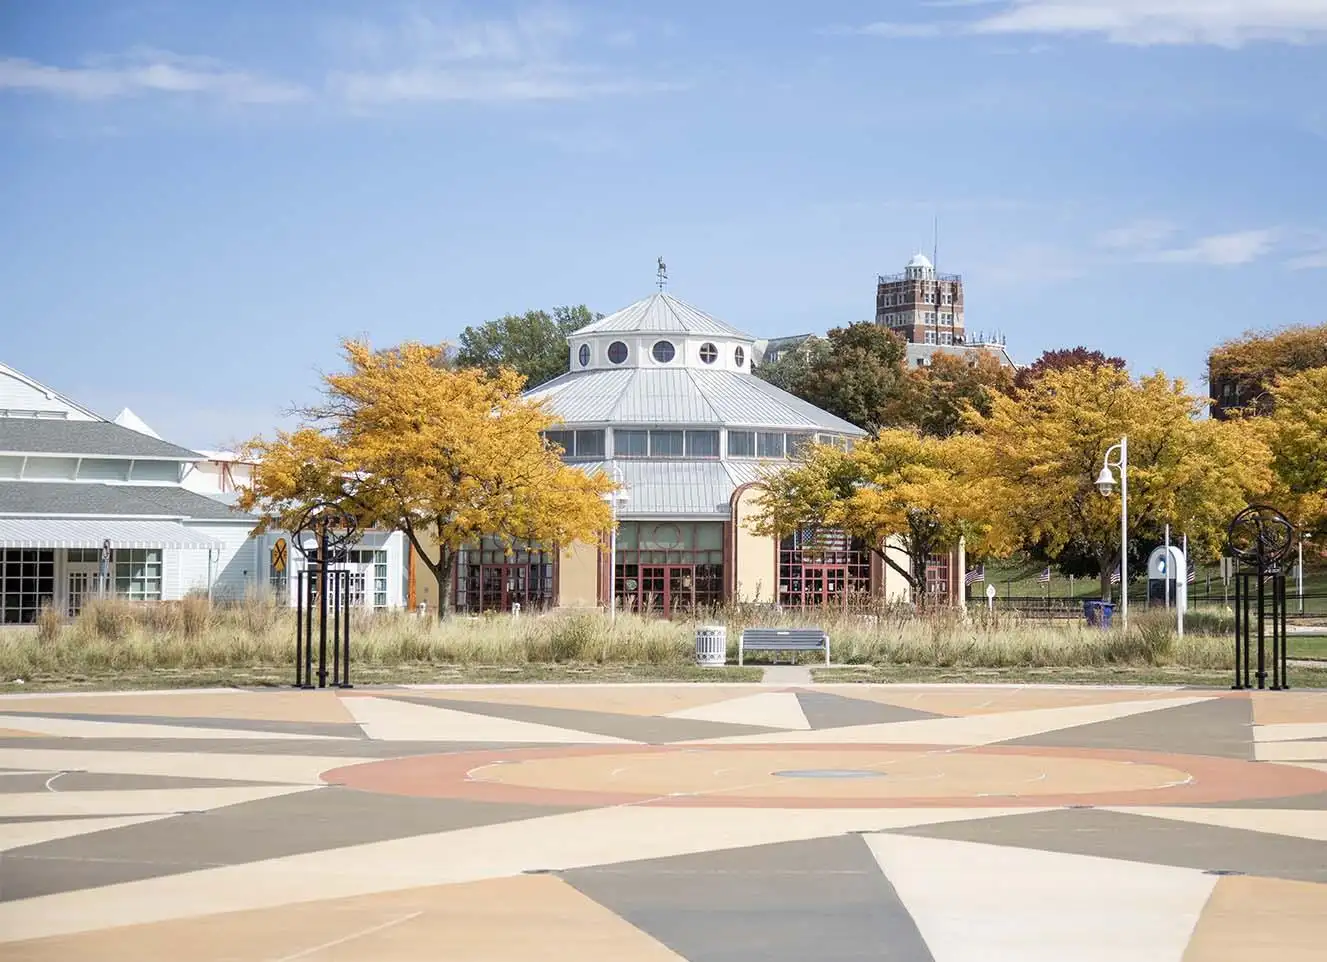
x=659 y=313
x=682 y=396
x=73 y=499
x=52 y=436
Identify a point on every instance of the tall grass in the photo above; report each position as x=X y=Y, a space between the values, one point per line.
x=115 y=635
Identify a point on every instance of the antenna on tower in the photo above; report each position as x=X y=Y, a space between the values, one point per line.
x=935 y=249
x=661 y=278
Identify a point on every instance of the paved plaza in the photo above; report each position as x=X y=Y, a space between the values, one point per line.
x=711 y=823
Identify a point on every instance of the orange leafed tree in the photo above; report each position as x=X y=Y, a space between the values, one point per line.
x=403 y=440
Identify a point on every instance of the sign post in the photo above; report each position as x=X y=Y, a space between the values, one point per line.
x=104 y=569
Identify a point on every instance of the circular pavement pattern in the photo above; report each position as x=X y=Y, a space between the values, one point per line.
x=826 y=776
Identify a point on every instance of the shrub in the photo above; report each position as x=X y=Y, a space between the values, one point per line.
x=49 y=624
x=195 y=615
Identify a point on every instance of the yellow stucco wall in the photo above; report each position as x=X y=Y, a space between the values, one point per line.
x=426 y=586
x=754 y=556
x=578 y=578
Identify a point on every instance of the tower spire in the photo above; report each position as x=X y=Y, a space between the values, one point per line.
x=661 y=277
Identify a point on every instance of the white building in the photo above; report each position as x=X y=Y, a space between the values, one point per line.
x=78 y=491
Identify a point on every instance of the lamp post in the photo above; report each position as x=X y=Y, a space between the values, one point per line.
x=1106 y=484
x=1299 y=570
x=616 y=497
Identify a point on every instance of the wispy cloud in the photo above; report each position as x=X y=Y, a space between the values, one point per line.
x=146 y=72
x=1140 y=235
x=1222 y=250
x=1225 y=23
x=539 y=54
x=542 y=53
x=1152 y=241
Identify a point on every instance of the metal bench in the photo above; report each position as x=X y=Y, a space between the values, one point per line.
x=782 y=639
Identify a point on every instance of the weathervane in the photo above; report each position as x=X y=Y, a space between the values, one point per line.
x=661 y=278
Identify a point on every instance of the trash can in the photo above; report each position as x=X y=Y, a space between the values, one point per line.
x=1098 y=613
x=711 y=646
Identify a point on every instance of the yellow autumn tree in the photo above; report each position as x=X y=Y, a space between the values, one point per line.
x=1296 y=432
x=403 y=440
x=900 y=489
x=1046 y=446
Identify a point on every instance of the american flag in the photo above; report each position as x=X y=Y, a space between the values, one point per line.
x=1045 y=577
x=1115 y=576
x=1193 y=574
x=975 y=574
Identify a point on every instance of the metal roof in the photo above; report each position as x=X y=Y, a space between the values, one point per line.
x=57 y=436
x=660 y=313
x=678 y=488
x=130 y=500
x=643 y=396
x=89 y=533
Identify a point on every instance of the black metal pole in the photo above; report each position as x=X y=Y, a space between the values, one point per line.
x=322 y=607
x=1262 y=630
x=335 y=602
x=1248 y=630
x=1285 y=638
x=1239 y=634
x=345 y=660
x=299 y=629
x=310 y=586
x=1276 y=634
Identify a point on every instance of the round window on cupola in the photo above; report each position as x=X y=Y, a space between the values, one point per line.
x=663 y=351
x=739 y=356
x=584 y=355
x=617 y=352
x=709 y=353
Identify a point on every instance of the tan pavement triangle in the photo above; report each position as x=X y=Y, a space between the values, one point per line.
x=1251 y=919
x=642 y=700
x=291 y=706
x=517 y=919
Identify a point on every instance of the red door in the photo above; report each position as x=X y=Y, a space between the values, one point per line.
x=666 y=589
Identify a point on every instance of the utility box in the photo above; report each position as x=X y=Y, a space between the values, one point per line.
x=1167 y=566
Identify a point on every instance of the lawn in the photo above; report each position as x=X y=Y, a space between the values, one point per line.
x=1019 y=578
x=115 y=644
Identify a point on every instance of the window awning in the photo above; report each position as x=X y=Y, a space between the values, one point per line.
x=91 y=533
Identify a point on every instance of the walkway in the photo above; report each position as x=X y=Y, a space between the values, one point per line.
x=767 y=823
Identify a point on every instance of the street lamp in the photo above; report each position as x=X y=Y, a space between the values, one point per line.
x=615 y=498
x=1106 y=484
x=1299 y=569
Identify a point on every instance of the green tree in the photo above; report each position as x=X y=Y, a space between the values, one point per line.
x=533 y=344
x=854 y=372
x=936 y=397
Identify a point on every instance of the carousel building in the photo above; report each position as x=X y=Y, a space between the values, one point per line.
x=662 y=397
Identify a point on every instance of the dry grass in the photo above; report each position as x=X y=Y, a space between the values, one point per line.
x=193 y=635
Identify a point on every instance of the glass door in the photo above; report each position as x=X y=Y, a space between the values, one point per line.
x=824 y=585
x=491 y=594
x=681 y=596
x=82 y=582
x=653 y=590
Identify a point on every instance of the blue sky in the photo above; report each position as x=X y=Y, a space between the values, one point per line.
x=198 y=200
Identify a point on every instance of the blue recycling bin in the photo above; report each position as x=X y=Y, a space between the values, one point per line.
x=1098 y=613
